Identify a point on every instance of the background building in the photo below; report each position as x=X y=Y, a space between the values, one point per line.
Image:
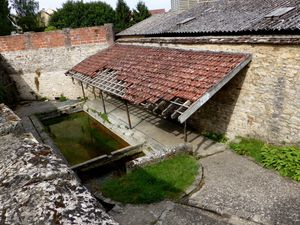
x=183 y=4
x=45 y=16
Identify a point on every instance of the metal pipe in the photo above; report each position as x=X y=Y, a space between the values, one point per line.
x=103 y=102
x=128 y=115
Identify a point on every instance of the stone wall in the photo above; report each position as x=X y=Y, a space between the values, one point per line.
x=262 y=101
x=8 y=93
x=38 y=61
x=36 y=186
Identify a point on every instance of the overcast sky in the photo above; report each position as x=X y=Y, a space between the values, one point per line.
x=151 y=4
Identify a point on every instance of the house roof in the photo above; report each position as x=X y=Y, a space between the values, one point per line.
x=160 y=78
x=157 y=11
x=224 y=16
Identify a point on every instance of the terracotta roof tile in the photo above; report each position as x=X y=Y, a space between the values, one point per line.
x=151 y=74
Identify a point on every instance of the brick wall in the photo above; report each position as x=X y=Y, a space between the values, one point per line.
x=54 y=39
x=38 y=61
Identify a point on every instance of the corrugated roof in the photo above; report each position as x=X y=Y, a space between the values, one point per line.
x=149 y=75
x=223 y=16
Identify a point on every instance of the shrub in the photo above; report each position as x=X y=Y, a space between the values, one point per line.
x=286 y=160
x=50 y=28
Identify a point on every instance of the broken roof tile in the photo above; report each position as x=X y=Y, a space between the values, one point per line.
x=152 y=73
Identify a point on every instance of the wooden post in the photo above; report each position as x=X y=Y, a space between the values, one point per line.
x=185 y=132
x=128 y=115
x=94 y=92
x=103 y=102
x=83 y=91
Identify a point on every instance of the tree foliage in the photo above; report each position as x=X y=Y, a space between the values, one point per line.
x=26 y=12
x=140 y=13
x=123 y=15
x=5 y=25
x=74 y=14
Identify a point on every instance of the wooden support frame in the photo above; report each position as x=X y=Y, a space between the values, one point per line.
x=83 y=93
x=128 y=115
x=185 y=132
x=177 y=108
x=103 y=102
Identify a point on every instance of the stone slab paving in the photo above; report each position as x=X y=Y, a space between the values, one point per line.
x=166 y=133
x=166 y=213
x=235 y=185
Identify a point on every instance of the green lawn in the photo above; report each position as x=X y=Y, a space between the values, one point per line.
x=286 y=160
x=167 y=179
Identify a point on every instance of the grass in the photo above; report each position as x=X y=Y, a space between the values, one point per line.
x=285 y=160
x=250 y=147
x=167 y=179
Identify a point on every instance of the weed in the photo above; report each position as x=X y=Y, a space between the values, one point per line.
x=82 y=99
x=62 y=98
x=104 y=116
x=215 y=136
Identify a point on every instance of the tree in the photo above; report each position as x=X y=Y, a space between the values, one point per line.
x=27 y=11
x=123 y=15
x=74 y=14
x=140 y=13
x=5 y=25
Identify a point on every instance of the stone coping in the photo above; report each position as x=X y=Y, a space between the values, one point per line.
x=36 y=186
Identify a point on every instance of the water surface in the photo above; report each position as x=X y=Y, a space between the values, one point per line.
x=80 y=137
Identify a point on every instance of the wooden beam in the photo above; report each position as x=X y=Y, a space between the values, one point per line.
x=103 y=102
x=83 y=91
x=106 y=159
x=128 y=115
x=185 y=131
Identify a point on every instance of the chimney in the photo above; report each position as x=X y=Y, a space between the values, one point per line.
x=183 y=4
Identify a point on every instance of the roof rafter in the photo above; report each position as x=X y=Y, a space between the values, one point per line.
x=172 y=83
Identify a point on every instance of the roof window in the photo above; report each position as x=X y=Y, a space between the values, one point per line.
x=186 y=20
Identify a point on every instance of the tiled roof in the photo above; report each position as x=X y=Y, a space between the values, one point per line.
x=223 y=16
x=147 y=75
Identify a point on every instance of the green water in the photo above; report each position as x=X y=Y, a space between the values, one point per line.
x=80 y=137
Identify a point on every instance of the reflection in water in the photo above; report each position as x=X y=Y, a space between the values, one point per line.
x=80 y=137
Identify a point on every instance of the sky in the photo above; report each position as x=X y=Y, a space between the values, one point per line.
x=151 y=4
